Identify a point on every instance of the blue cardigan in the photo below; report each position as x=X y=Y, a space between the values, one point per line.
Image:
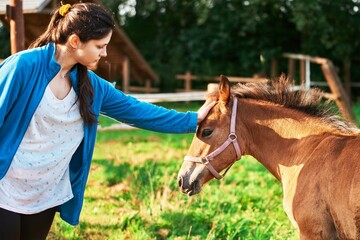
x=23 y=79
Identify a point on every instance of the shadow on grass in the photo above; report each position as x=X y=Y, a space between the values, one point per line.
x=114 y=173
x=179 y=224
x=84 y=230
x=147 y=175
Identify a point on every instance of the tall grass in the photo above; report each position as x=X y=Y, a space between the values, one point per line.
x=132 y=193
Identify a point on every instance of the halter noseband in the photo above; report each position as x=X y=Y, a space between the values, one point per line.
x=232 y=138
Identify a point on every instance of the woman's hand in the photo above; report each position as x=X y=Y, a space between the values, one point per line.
x=204 y=110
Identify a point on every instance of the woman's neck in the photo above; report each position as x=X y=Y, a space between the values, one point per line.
x=64 y=57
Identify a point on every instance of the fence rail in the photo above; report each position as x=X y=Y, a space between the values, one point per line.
x=171 y=97
x=188 y=78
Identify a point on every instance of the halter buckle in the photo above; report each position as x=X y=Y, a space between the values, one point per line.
x=205 y=160
x=232 y=137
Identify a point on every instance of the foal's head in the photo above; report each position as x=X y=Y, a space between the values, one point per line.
x=212 y=149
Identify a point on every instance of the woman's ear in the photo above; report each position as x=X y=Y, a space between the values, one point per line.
x=74 y=41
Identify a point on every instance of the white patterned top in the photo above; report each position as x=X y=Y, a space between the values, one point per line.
x=38 y=177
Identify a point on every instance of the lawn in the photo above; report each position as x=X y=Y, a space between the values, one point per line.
x=132 y=193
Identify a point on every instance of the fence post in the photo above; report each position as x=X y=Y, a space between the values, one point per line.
x=147 y=86
x=274 y=68
x=187 y=81
x=336 y=88
x=14 y=13
x=291 y=68
x=302 y=72
x=126 y=74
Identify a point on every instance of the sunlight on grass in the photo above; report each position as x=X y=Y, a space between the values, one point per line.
x=132 y=193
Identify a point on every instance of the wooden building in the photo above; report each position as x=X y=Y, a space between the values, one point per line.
x=124 y=63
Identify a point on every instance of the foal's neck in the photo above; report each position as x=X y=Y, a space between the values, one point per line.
x=279 y=136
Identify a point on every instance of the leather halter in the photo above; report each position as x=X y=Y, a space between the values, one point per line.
x=232 y=138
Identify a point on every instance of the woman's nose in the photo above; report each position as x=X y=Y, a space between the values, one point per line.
x=103 y=53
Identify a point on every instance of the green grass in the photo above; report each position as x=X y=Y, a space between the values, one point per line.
x=132 y=193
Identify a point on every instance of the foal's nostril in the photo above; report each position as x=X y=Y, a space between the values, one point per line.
x=180 y=181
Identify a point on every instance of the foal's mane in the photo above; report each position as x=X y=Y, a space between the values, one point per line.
x=280 y=91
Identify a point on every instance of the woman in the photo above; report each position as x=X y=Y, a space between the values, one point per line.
x=49 y=106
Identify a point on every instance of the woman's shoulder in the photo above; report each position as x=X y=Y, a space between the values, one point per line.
x=39 y=53
x=28 y=57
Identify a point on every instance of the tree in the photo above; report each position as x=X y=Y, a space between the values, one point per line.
x=328 y=28
x=212 y=37
x=4 y=42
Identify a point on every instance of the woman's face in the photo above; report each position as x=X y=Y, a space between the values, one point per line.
x=89 y=53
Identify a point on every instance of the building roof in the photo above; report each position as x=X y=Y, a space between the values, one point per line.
x=29 y=6
x=37 y=17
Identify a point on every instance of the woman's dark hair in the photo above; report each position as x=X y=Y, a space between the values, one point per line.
x=88 y=21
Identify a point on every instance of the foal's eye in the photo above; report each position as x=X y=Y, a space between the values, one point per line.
x=206 y=132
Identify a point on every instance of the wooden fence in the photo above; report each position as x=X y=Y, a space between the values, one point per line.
x=188 y=78
x=337 y=92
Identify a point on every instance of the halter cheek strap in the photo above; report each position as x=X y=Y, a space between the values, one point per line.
x=232 y=139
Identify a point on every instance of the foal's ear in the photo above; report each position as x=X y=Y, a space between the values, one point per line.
x=224 y=89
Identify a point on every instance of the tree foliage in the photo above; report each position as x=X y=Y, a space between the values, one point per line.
x=328 y=28
x=4 y=42
x=235 y=37
x=239 y=37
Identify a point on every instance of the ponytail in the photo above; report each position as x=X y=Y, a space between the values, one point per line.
x=86 y=96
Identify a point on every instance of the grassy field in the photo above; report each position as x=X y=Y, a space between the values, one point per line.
x=132 y=193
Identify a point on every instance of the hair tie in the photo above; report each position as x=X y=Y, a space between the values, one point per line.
x=64 y=9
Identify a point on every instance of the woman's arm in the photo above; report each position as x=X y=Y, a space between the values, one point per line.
x=130 y=110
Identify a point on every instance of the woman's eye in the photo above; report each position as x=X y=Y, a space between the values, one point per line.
x=206 y=132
